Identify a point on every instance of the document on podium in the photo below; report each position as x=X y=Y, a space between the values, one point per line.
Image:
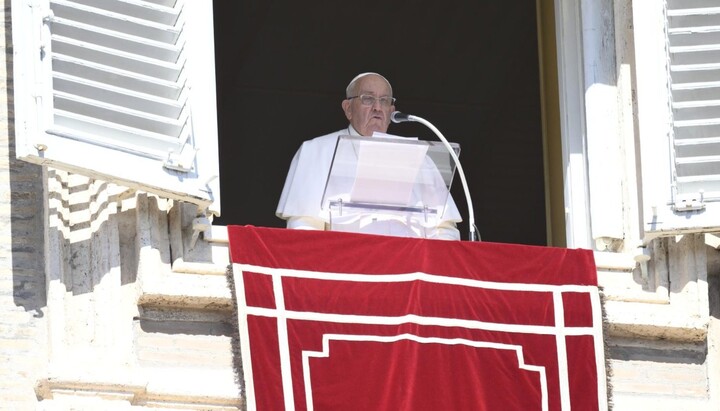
x=386 y=172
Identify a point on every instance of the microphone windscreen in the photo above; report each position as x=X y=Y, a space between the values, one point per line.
x=398 y=117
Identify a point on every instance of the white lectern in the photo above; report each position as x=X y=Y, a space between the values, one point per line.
x=388 y=185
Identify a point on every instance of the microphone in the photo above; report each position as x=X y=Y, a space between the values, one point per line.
x=398 y=117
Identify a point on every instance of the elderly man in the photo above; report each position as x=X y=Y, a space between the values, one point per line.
x=368 y=104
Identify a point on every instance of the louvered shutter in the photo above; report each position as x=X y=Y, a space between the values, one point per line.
x=694 y=44
x=677 y=62
x=122 y=90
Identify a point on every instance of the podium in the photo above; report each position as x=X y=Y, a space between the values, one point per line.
x=388 y=185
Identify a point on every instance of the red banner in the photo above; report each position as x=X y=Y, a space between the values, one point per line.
x=338 y=321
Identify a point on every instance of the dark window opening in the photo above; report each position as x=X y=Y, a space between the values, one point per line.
x=470 y=68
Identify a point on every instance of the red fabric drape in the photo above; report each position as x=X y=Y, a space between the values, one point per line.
x=339 y=321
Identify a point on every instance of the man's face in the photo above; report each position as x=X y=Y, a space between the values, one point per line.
x=367 y=119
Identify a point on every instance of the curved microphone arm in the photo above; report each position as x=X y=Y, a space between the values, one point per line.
x=398 y=117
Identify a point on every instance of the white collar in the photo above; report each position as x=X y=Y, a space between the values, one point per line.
x=352 y=131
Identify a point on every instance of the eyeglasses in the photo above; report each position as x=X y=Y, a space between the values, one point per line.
x=369 y=100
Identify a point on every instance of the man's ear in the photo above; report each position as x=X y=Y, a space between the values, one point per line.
x=346 y=108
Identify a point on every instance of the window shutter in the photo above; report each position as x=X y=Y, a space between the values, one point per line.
x=694 y=44
x=122 y=90
x=677 y=60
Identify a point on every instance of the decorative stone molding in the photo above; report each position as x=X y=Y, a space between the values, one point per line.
x=136 y=321
x=670 y=301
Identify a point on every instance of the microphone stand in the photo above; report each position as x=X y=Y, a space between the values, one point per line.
x=398 y=117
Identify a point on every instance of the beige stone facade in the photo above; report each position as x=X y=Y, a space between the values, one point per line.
x=101 y=306
x=107 y=300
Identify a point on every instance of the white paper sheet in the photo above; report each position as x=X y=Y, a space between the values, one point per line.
x=386 y=172
x=377 y=134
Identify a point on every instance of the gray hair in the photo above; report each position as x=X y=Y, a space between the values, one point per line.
x=351 y=89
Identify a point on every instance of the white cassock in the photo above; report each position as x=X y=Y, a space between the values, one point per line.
x=301 y=199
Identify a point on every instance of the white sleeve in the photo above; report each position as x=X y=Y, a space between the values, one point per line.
x=305 y=182
x=446 y=230
x=305 y=223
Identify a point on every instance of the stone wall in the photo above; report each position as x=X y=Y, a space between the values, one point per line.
x=662 y=331
x=138 y=317
x=23 y=320
x=97 y=310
